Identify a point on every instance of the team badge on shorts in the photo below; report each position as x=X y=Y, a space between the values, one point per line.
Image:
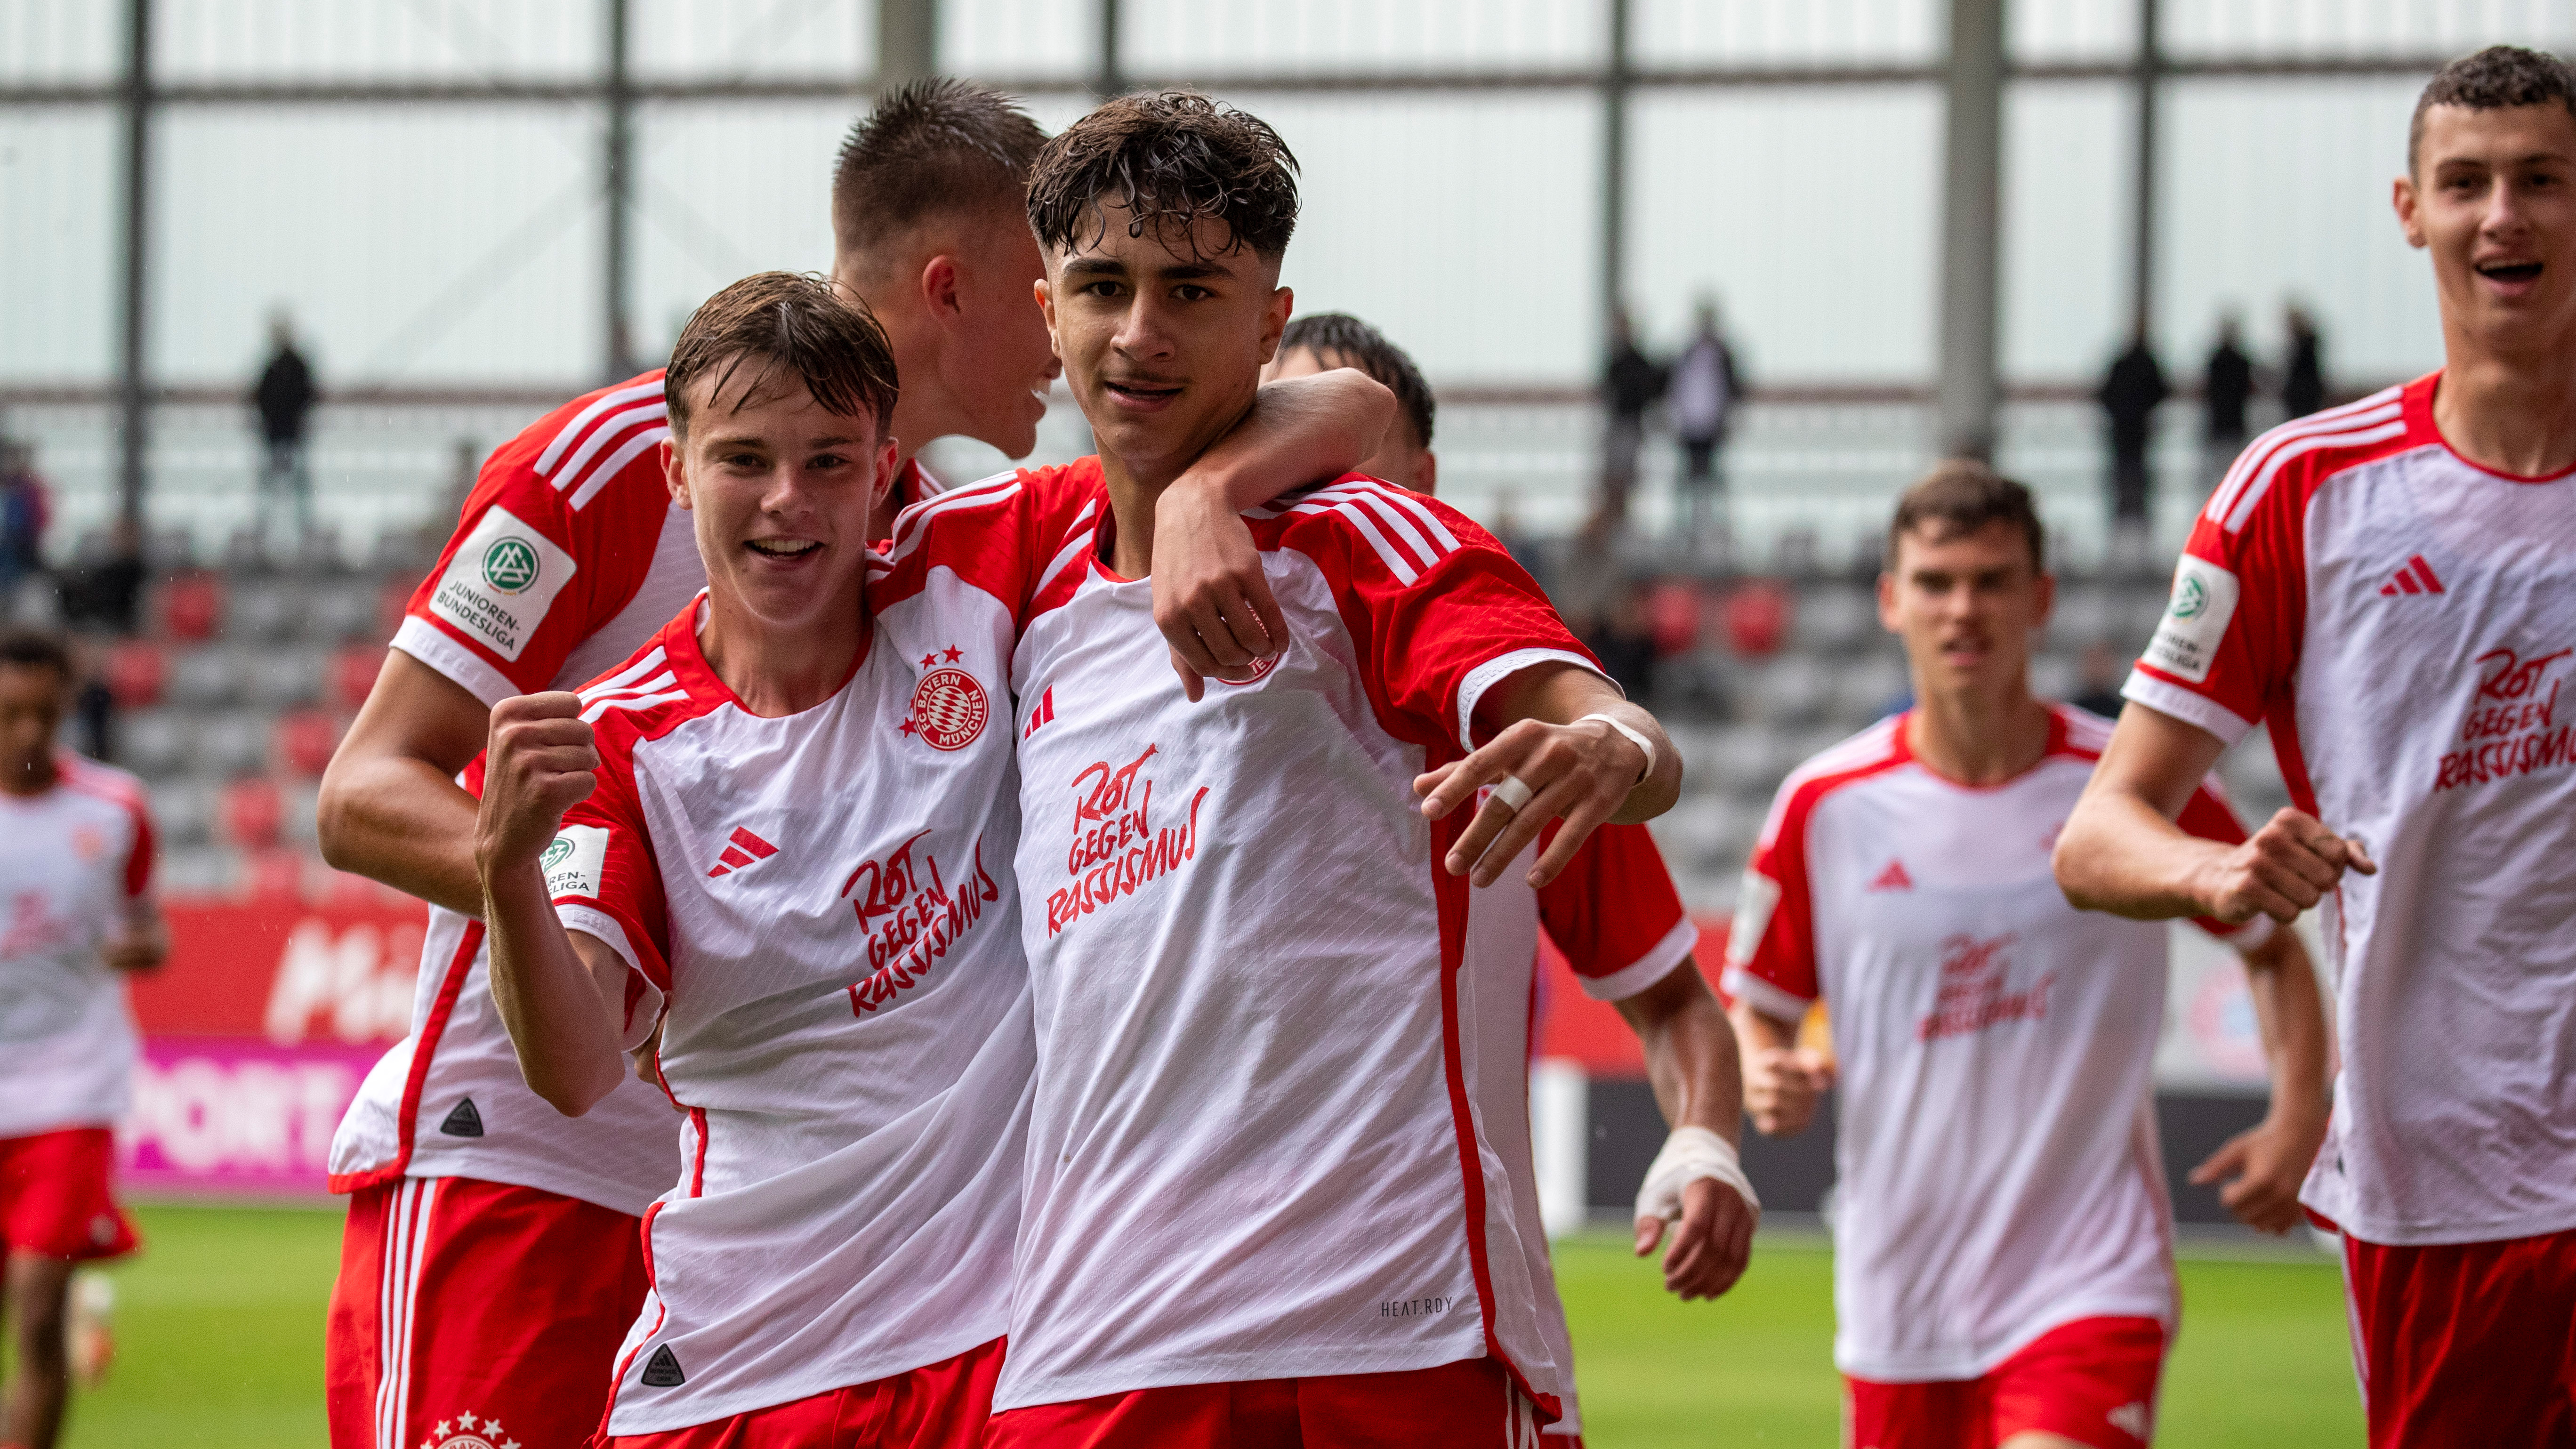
x=948 y=709
x=468 y=1432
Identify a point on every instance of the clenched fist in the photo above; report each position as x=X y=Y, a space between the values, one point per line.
x=537 y=763
x=1782 y=1086
x=2287 y=867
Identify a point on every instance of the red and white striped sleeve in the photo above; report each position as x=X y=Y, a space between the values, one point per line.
x=1005 y=535
x=556 y=537
x=1439 y=611
x=1614 y=913
x=1771 y=946
x=2224 y=652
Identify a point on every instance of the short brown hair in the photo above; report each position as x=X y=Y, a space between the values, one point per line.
x=935 y=147
x=1959 y=497
x=36 y=649
x=1169 y=159
x=2494 y=79
x=825 y=337
x=1341 y=337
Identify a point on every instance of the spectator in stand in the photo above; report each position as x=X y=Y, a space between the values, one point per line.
x=94 y=706
x=1703 y=394
x=104 y=592
x=285 y=396
x=2129 y=398
x=2303 y=375
x=2226 y=386
x=1630 y=384
x=24 y=511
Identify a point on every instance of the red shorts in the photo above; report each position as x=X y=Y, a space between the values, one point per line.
x=1468 y=1403
x=938 y=1406
x=480 y=1310
x=54 y=1198
x=2092 y=1381
x=2466 y=1343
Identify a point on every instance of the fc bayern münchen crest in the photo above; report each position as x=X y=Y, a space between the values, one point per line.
x=949 y=709
x=468 y=1432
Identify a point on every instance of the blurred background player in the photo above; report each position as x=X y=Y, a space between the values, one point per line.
x=1306 y=1221
x=569 y=555
x=1614 y=915
x=797 y=779
x=2003 y=1244
x=2390 y=586
x=76 y=870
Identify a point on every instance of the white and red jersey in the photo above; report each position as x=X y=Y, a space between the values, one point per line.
x=79 y=856
x=569 y=556
x=2406 y=622
x=1263 y=1005
x=818 y=910
x=1997 y=1163
x=1619 y=922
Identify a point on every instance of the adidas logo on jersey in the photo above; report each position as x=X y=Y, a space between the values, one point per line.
x=464 y=1121
x=744 y=849
x=1040 y=715
x=2416 y=577
x=1893 y=878
x=662 y=1370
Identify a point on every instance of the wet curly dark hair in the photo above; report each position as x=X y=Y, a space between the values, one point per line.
x=2497 y=78
x=1168 y=160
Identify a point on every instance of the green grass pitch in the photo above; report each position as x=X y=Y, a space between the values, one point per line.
x=219 y=1345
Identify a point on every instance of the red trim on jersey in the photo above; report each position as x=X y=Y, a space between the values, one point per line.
x=1783 y=955
x=2419 y=397
x=117 y=787
x=450 y=987
x=698 y=1156
x=661 y=1311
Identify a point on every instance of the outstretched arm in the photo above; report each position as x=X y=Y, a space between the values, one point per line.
x=2121 y=851
x=1696 y=1182
x=390 y=808
x=2262 y=1167
x=1572 y=742
x=560 y=994
x=1211 y=599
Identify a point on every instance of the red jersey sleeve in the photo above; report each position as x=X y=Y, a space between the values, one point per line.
x=2210 y=815
x=1006 y=535
x=1614 y=913
x=1439 y=611
x=1771 y=947
x=604 y=880
x=556 y=538
x=2228 y=644
x=139 y=857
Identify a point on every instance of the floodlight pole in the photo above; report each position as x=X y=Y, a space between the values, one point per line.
x=618 y=162
x=1969 y=389
x=1617 y=79
x=907 y=42
x=133 y=414
x=2142 y=243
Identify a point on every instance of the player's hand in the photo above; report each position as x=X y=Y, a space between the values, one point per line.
x=1782 y=1086
x=1710 y=1244
x=2260 y=1170
x=1211 y=598
x=1580 y=773
x=135 y=945
x=2287 y=867
x=538 y=764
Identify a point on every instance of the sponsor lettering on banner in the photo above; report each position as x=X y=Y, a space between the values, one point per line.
x=225 y=1115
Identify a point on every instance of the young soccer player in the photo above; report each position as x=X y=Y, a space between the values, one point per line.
x=77 y=873
x=774 y=841
x=570 y=554
x=1261 y=1209
x=2003 y=1246
x=2391 y=587
x=1614 y=914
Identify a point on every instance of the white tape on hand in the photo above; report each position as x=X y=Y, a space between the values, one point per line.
x=1636 y=738
x=1690 y=1155
x=1513 y=792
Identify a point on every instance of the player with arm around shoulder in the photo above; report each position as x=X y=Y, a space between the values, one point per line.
x=570 y=555
x=77 y=874
x=2390 y=588
x=1619 y=922
x=2003 y=1269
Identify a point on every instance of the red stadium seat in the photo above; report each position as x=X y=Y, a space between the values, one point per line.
x=305 y=740
x=1672 y=612
x=1757 y=617
x=135 y=672
x=353 y=673
x=192 y=606
x=253 y=814
x=273 y=874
